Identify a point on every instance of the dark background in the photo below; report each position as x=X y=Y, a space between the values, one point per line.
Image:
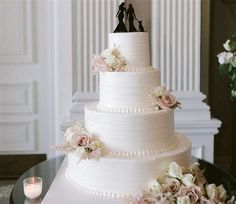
x=222 y=26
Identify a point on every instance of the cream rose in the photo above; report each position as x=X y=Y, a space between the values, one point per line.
x=222 y=194
x=183 y=200
x=159 y=91
x=73 y=130
x=212 y=192
x=95 y=144
x=174 y=170
x=155 y=186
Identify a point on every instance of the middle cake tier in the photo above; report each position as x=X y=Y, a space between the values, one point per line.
x=132 y=133
x=127 y=91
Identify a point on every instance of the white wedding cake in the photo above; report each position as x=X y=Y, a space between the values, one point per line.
x=139 y=137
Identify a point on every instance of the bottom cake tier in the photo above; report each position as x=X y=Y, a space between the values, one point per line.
x=118 y=177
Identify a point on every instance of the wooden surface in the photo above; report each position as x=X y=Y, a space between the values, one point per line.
x=12 y=166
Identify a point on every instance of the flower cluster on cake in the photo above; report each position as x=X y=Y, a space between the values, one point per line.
x=81 y=143
x=182 y=185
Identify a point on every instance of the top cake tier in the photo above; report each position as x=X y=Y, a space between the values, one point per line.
x=134 y=47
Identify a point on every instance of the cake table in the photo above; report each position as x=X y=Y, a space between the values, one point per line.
x=49 y=169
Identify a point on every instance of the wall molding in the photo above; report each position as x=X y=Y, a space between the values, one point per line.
x=17 y=97
x=25 y=52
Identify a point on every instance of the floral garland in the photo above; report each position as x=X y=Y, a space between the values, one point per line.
x=185 y=185
x=163 y=99
x=227 y=61
x=110 y=60
x=78 y=140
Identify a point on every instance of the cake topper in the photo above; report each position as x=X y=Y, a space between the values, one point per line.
x=121 y=14
x=140 y=26
x=129 y=15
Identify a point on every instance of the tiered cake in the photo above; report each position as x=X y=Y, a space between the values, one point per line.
x=141 y=140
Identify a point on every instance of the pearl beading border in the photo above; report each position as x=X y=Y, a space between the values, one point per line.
x=126 y=110
x=143 y=152
x=95 y=192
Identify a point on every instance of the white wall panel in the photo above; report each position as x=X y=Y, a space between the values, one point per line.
x=16 y=31
x=17 y=136
x=176 y=43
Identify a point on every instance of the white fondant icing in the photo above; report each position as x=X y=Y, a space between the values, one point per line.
x=134 y=47
x=132 y=132
x=117 y=177
x=127 y=91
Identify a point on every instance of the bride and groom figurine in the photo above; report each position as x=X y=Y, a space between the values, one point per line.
x=130 y=15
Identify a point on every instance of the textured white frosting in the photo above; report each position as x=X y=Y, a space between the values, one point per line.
x=127 y=91
x=117 y=177
x=131 y=132
x=134 y=47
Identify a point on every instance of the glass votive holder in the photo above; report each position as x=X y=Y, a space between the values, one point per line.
x=32 y=187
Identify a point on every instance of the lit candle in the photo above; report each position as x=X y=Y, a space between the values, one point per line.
x=32 y=187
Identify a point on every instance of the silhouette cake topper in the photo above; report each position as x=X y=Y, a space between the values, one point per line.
x=130 y=15
x=121 y=14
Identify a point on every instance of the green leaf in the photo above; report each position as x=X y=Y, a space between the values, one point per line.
x=233 y=78
x=224 y=69
x=232 y=45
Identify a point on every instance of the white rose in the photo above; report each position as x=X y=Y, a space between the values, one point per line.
x=111 y=60
x=183 y=200
x=175 y=171
x=106 y=53
x=188 y=180
x=212 y=191
x=80 y=150
x=226 y=45
x=73 y=130
x=68 y=136
x=225 y=57
x=155 y=186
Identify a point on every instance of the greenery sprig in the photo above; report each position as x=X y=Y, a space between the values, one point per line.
x=227 y=63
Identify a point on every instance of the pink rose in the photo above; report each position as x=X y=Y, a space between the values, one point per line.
x=98 y=64
x=168 y=100
x=172 y=185
x=191 y=192
x=83 y=140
